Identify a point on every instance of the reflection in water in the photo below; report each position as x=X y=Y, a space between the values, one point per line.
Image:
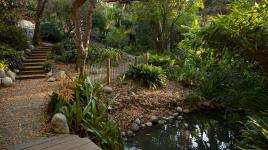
x=199 y=131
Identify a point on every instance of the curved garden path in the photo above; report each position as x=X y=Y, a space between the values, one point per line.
x=22 y=111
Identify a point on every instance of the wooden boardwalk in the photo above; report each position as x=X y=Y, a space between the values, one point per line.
x=63 y=142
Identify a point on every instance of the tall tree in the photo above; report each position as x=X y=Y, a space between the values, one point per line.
x=39 y=13
x=82 y=37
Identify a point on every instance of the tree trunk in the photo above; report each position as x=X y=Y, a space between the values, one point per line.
x=82 y=39
x=40 y=9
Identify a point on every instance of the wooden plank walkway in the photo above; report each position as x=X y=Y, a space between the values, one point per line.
x=63 y=142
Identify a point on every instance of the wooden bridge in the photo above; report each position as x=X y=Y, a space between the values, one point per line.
x=63 y=142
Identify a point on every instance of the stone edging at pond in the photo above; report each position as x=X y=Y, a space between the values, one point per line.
x=139 y=124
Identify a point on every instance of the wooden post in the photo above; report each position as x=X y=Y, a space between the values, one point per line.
x=135 y=60
x=147 y=58
x=108 y=71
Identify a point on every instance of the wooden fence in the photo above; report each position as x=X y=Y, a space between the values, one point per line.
x=109 y=70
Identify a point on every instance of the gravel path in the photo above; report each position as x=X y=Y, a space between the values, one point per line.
x=22 y=111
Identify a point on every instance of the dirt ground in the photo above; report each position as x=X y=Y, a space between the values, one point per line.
x=135 y=101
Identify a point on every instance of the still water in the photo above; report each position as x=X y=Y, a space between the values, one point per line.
x=197 y=131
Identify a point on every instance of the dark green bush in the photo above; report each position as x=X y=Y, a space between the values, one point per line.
x=47 y=66
x=254 y=135
x=50 y=32
x=150 y=76
x=12 y=56
x=13 y=36
x=161 y=61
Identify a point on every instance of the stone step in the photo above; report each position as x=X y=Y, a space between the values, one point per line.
x=37 y=57
x=32 y=68
x=34 y=60
x=39 y=52
x=25 y=72
x=43 y=55
x=33 y=64
x=44 y=48
x=30 y=76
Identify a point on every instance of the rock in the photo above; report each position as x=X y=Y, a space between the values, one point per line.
x=179 y=117
x=130 y=133
x=125 y=138
x=175 y=114
x=165 y=118
x=170 y=118
x=179 y=109
x=138 y=121
x=143 y=125
x=11 y=74
x=149 y=124
x=2 y=73
x=59 y=124
x=51 y=79
x=6 y=82
x=61 y=75
x=108 y=89
x=49 y=74
x=31 y=47
x=186 y=125
x=161 y=121
x=135 y=127
x=154 y=119
x=28 y=27
x=27 y=51
x=123 y=133
x=186 y=111
x=16 y=70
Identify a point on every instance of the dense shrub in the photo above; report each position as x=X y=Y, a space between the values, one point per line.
x=12 y=56
x=243 y=33
x=86 y=110
x=255 y=133
x=150 y=76
x=13 y=36
x=47 y=66
x=50 y=32
x=161 y=61
x=65 y=52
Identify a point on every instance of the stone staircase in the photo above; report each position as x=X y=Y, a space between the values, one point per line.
x=33 y=64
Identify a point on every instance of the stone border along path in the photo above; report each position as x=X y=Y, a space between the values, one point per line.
x=33 y=64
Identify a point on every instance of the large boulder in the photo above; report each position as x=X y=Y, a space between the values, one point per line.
x=6 y=82
x=28 y=27
x=59 y=124
x=11 y=74
x=2 y=73
x=31 y=47
x=61 y=75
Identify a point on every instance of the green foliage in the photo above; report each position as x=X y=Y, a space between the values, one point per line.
x=13 y=36
x=86 y=110
x=150 y=76
x=3 y=64
x=161 y=61
x=12 y=56
x=50 y=32
x=47 y=66
x=255 y=133
x=243 y=33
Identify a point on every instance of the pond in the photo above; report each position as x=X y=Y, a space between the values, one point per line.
x=196 y=131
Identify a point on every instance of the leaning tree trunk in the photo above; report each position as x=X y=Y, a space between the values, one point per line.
x=82 y=38
x=40 y=9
